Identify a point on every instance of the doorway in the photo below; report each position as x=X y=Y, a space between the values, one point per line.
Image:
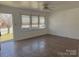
x=6 y=27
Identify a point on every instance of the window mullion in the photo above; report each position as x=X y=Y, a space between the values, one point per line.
x=38 y=22
x=30 y=21
x=45 y=22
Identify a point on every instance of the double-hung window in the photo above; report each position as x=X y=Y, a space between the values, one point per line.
x=42 y=22
x=33 y=22
x=25 y=21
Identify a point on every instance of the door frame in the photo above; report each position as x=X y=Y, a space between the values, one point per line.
x=6 y=12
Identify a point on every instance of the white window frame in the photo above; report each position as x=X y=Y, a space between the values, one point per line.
x=30 y=16
x=44 y=22
x=29 y=21
x=37 y=23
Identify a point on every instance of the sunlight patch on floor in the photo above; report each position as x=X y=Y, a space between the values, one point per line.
x=6 y=37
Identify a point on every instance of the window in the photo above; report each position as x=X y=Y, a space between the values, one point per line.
x=34 y=21
x=25 y=21
x=41 y=22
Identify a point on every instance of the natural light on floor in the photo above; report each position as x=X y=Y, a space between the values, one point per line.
x=6 y=37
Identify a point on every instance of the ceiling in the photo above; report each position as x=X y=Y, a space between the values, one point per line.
x=53 y=5
x=63 y=5
x=23 y=4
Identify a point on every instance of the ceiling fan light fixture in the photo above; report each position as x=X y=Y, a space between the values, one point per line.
x=46 y=6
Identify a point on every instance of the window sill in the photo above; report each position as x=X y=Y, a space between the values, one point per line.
x=35 y=29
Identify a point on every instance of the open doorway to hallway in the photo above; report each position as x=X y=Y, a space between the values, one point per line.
x=6 y=27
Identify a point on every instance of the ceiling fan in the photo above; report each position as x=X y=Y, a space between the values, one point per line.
x=47 y=6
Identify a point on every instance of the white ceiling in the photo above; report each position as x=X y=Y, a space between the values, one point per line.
x=54 y=5
x=22 y=4
x=63 y=5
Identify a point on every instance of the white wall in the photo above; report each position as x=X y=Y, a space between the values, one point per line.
x=20 y=33
x=65 y=23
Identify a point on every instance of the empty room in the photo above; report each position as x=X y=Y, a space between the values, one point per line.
x=39 y=28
